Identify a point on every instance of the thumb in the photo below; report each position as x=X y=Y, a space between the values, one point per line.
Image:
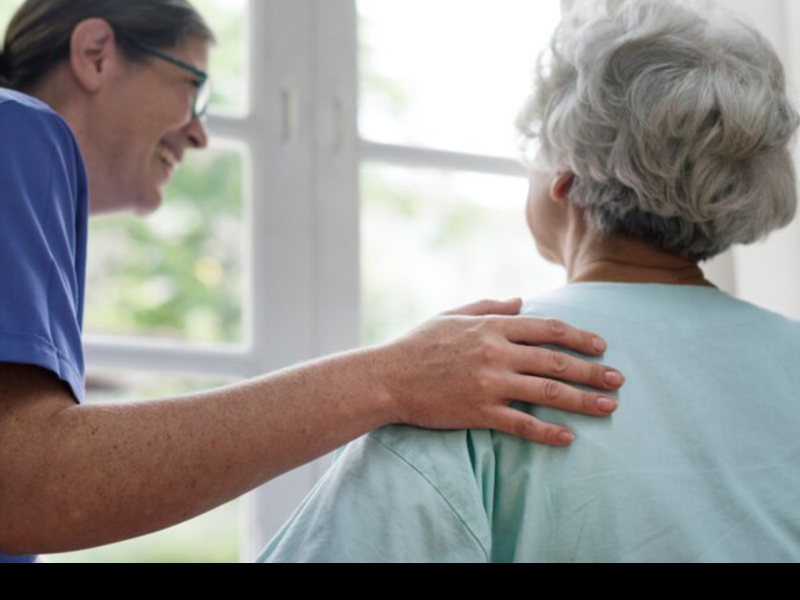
x=488 y=307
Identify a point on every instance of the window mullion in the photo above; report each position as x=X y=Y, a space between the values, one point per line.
x=284 y=224
x=415 y=157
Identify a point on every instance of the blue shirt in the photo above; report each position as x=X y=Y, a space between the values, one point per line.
x=44 y=212
x=700 y=463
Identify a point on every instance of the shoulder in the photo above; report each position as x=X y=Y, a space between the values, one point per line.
x=38 y=151
x=457 y=464
x=422 y=448
x=441 y=458
x=25 y=119
x=381 y=503
x=11 y=98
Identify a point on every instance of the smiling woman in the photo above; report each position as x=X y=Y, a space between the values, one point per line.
x=191 y=287
x=142 y=110
x=150 y=278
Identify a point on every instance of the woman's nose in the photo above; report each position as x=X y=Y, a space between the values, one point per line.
x=196 y=133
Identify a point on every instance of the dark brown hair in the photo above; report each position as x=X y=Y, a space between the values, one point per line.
x=40 y=33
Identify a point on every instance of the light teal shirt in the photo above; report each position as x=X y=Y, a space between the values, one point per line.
x=700 y=464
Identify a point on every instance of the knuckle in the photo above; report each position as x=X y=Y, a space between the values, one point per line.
x=489 y=383
x=525 y=428
x=490 y=352
x=599 y=375
x=559 y=363
x=550 y=436
x=485 y=327
x=557 y=328
x=589 y=404
x=552 y=392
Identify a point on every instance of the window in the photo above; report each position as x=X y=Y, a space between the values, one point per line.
x=168 y=306
x=179 y=278
x=439 y=221
x=443 y=196
x=362 y=178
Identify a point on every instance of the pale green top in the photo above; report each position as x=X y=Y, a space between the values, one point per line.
x=700 y=464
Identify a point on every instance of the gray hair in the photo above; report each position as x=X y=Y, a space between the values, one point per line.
x=674 y=120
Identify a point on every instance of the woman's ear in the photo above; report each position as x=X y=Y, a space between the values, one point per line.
x=561 y=187
x=92 y=51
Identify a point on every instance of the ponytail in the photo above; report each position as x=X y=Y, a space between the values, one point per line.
x=5 y=69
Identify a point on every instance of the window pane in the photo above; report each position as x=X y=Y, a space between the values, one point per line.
x=212 y=538
x=228 y=19
x=433 y=241
x=450 y=74
x=179 y=273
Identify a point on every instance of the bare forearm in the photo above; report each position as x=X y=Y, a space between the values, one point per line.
x=74 y=477
x=100 y=474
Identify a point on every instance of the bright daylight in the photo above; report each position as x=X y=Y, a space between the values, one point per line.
x=382 y=281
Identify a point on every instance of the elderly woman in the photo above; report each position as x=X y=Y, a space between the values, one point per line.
x=661 y=136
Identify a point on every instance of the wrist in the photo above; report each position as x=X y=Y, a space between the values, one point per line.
x=382 y=369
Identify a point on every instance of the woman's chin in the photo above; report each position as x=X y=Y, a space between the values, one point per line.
x=149 y=203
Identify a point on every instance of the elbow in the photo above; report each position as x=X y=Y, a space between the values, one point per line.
x=25 y=529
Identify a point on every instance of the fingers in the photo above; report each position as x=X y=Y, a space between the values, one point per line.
x=518 y=424
x=539 y=332
x=560 y=396
x=484 y=308
x=558 y=365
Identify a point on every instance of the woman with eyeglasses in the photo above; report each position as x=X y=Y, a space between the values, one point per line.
x=99 y=102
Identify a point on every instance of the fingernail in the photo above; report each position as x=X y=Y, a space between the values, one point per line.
x=565 y=437
x=600 y=345
x=607 y=405
x=614 y=379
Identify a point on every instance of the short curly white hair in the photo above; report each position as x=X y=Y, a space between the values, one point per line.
x=674 y=119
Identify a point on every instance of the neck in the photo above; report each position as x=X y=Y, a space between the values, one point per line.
x=55 y=91
x=624 y=260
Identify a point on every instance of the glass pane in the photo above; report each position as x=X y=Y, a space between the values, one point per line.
x=450 y=74
x=434 y=241
x=179 y=273
x=211 y=538
x=228 y=58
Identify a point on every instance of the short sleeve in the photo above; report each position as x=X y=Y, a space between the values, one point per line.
x=374 y=507
x=43 y=238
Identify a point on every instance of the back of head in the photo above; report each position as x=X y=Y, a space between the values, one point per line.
x=675 y=120
x=40 y=33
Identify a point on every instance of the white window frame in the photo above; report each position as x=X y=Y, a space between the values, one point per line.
x=312 y=47
x=303 y=215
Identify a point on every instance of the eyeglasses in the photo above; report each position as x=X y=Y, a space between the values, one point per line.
x=202 y=96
